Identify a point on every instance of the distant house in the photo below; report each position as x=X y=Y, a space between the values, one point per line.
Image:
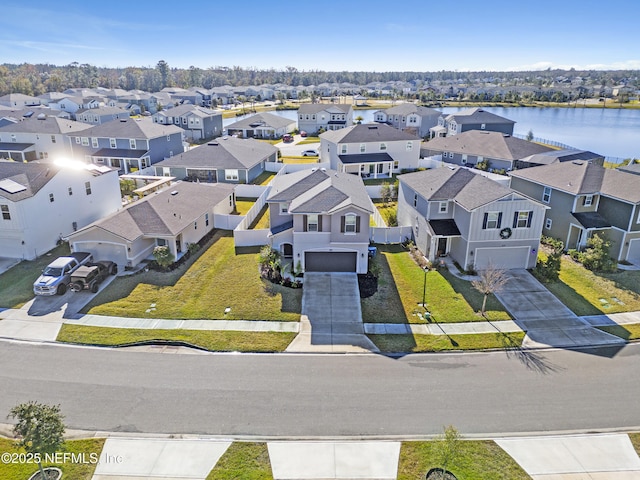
x=631 y=168
x=557 y=156
x=225 y=160
x=320 y=220
x=313 y=117
x=409 y=117
x=371 y=150
x=262 y=125
x=474 y=220
x=100 y=115
x=500 y=150
x=585 y=199
x=175 y=217
x=19 y=100
x=72 y=104
x=198 y=123
x=42 y=202
x=127 y=144
x=471 y=119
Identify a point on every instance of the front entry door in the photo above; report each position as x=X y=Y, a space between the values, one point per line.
x=442 y=246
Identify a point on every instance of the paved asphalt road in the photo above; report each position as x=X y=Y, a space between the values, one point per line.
x=318 y=395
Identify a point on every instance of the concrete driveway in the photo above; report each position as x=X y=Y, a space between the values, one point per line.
x=547 y=321
x=331 y=315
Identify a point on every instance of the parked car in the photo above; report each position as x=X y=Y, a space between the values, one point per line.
x=303 y=133
x=310 y=153
x=57 y=275
x=90 y=276
x=287 y=138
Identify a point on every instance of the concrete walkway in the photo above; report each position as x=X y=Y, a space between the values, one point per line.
x=331 y=316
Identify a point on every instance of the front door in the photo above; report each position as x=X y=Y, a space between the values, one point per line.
x=442 y=246
x=179 y=244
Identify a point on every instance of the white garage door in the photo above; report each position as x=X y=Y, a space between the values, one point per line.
x=634 y=251
x=104 y=251
x=502 y=257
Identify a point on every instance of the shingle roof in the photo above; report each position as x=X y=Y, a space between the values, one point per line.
x=261 y=119
x=476 y=115
x=131 y=128
x=367 y=132
x=633 y=168
x=310 y=108
x=187 y=108
x=553 y=156
x=34 y=176
x=46 y=125
x=223 y=153
x=409 y=108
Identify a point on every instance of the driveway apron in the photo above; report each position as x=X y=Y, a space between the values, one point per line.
x=547 y=321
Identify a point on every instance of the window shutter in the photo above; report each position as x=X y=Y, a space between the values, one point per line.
x=304 y=223
x=319 y=223
x=484 y=221
x=584 y=201
x=358 y=224
x=342 y=224
x=529 y=219
x=515 y=219
x=499 y=220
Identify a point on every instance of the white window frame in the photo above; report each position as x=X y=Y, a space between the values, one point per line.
x=464 y=159
x=113 y=143
x=383 y=146
x=313 y=220
x=588 y=200
x=415 y=200
x=483 y=126
x=443 y=207
x=409 y=146
x=343 y=149
x=547 y=223
x=132 y=143
x=284 y=208
x=523 y=215
x=492 y=223
x=350 y=220
x=231 y=174
x=85 y=141
x=363 y=148
x=546 y=194
x=94 y=142
x=4 y=210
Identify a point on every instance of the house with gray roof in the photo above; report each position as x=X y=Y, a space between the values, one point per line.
x=630 y=168
x=19 y=100
x=262 y=125
x=501 y=150
x=471 y=119
x=316 y=117
x=100 y=115
x=198 y=123
x=372 y=150
x=409 y=117
x=224 y=160
x=555 y=156
x=176 y=216
x=474 y=220
x=584 y=199
x=319 y=219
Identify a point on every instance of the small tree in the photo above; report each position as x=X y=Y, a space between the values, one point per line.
x=40 y=429
x=597 y=257
x=549 y=270
x=446 y=448
x=163 y=256
x=492 y=280
x=386 y=192
x=530 y=135
x=359 y=119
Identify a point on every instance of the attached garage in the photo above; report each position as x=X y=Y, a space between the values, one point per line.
x=104 y=251
x=502 y=257
x=633 y=255
x=330 y=261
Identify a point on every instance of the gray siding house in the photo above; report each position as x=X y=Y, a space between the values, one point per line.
x=471 y=119
x=198 y=123
x=410 y=118
x=262 y=125
x=313 y=117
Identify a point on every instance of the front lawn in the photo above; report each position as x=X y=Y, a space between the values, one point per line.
x=438 y=343
x=216 y=341
x=635 y=441
x=589 y=293
x=220 y=278
x=476 y=460
x=309 y=140
x=70 y=470
x=17 y=282
x=243 y=461
x=449 y=299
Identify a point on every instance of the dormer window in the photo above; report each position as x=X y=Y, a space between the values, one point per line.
x=587 y=201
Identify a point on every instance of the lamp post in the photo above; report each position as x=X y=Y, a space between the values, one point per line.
x=424 y=289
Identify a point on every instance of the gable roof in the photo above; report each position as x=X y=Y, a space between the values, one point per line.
x=476 y=115
x=567 y=155
x=223 y=153
x=187 y=108
x=263 y=119
x=367 y=132
x=131 y=128
x=45 y=125
x=409 y=108
x=32 y=176
x=632 y=168
x=485 y=143
x=310 y=108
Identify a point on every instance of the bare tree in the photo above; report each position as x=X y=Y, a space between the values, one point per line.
x=492 y=280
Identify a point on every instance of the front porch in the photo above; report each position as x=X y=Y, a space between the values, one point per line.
x=442 y=233
x=371 y=166
x=126 y=161
x=588 y=223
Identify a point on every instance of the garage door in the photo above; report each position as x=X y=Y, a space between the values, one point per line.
x=104 y=251
x=504 y=257
x=634 y=251
x=330 y=261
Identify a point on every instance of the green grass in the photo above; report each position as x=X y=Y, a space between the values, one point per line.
x=476 y=460
x=243 y=205
x=449 y=299
x=628 y=332
x=386 y=209
x=216 y=341
x=635 y=441
x=264 y=178
x=74 y=471
x=309 y=140
x=262 y=220
x=217 y=279
x=438 y=343
x=299 y=159
x=272 y=142
x=379 y=181
x=17 y=282
x=243 y=461
x=589 y=293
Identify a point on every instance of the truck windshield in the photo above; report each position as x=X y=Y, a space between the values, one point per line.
x=52 y=272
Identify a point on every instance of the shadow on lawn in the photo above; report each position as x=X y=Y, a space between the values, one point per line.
x=471 y=295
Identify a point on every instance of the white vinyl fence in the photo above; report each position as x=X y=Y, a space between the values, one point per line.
x=389 y=234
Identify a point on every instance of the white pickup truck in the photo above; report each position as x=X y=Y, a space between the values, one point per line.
x=56 y=276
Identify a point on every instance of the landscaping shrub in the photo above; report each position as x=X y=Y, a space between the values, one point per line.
x=596 y=257
x=548 y=270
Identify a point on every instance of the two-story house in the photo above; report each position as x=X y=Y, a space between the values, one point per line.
x=585 y=199
x=262 y=125
x=42 y=202
x=198 y=123
x=409 y=117
x=314 y=117
x=320 y=220
x=100 y=115
x=500 y=150
x=370 y=150
x=19 y=100
x=471 y=119
x=556 y=156
x=474 y=220
x=127 y=145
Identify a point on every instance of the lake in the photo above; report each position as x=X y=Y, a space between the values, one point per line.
x=608 y=131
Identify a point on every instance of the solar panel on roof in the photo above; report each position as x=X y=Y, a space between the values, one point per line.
x=11 y=187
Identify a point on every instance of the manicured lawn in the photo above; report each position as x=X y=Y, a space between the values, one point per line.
x=379 y=181
x=589 y=293
x=308 y=140
x=386 y=209
x=449 y=299
x=299 y=159
x=217 y=341
x=16 y=284
x=217 y=279
x=262 y=220
x=75 y=471
x=272 y=142
x=243 y=205
x=263 y=178
x=628 y=332
x=243 y=461
x=635 y=440
x=439 y=343
x=476 y=460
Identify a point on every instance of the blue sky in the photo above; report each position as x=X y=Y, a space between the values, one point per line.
x=371 y=35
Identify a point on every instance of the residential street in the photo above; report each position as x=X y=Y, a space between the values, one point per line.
x=309 y=395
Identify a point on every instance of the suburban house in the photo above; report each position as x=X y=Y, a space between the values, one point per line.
x=43 y=202
x=72 y=104
x=262 y=125
x=371 y=150
x=100 y=115
x=127 y=144
x=19 y=100
x=225 y=160
x=198 y=123
x=471 y=119
x=319 y=219
x=474 y=220
x=410 y=118
x=555 y=156
x=313 y=117
x=38 y=138
x=181 y=214
x=585 y=199
x=501 y=150
x=630 y=168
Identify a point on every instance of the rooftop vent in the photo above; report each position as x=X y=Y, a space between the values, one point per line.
x=123 y=120
x=314 y=169
x=575 y=162
x=323 y=169
x=372 y=127
x=175 y=192
x=213 y=144
x=41 y=116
